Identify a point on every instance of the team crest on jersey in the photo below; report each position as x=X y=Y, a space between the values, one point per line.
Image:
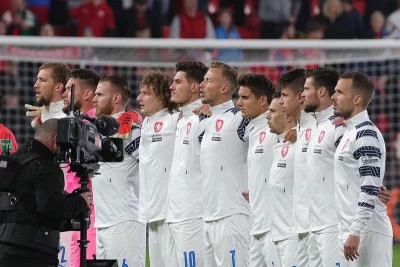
x=218 y=125
x=262 y=137
x=345 y=143
x=284 y=151
x=158 y=126
x=308 y=134
x=188 y=128
x=321 y=136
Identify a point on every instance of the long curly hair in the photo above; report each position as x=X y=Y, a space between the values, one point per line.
x=160 y=82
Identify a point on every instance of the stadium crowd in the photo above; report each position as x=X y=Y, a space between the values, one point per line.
x=222 y=19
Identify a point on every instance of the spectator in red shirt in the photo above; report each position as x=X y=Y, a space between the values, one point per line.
x=94 y=19
x=20 y=20
x=191 y=23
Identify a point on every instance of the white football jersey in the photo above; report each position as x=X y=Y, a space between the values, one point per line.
x=223 y=162
x=359 y=171
x=301 y=200
x=55 y=111
x=281 y=187
x=155 y=158
x=321 y=180
x=185 y=191
x=259 y=160
x=116 y=188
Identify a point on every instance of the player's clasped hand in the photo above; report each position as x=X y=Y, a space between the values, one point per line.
x=339 y=121
x=351 y=247
x=246 y=195
x=384 y=195
x=290 y=136
x=88 y=196
x=203 y=109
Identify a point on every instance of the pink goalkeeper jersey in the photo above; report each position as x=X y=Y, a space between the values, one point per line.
x=71 y=181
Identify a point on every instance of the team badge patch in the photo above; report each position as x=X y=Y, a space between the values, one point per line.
x=308 y=134
x=321 y=136
x=262 y=137
x=158 y=126
x=284 y=151
x=188 y=128
x=345 y=143
x=218 y=125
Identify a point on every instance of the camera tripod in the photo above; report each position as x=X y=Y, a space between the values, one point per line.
x=84 y=175
x=85 y=172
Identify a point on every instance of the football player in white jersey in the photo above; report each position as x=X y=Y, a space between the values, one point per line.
x=292 y=85
x=185 y=190
x=119 y=233
x=280 y=186
x=365 y=232
x=318 y=88
x=223 y=165
x=255 y=95
x=155 y=159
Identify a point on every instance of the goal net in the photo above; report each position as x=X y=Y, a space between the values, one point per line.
x=20 y=58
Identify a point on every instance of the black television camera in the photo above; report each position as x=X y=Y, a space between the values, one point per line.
x=83 y=142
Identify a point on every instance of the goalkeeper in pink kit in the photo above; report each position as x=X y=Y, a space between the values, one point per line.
x=85 y=82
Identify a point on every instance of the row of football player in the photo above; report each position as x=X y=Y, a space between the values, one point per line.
x=313 y=202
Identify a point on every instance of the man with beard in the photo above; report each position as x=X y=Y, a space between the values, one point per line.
x=49 y=86
x=185 y=194
x=365 y=231
x=85 y=82
x=116 y=189
x=318 y=88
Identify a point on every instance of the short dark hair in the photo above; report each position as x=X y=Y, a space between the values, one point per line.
x=258 y=84
x=324 y=77
x=160 y=82
x=361 y=84
x=60 y=71
x=277 y=94
x=88 y=77
x=228 y=72
x=120 y=84
x=195 y=70
x=293 y=80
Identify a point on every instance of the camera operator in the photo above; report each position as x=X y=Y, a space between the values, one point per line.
x=85 y=82
x=30 y=232
x=116 y=189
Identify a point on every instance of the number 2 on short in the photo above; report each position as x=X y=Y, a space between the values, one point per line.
x=62 y=249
